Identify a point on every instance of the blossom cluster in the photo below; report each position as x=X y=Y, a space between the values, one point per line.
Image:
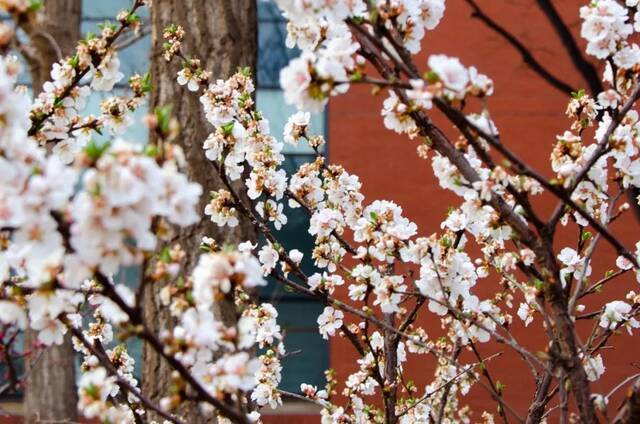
x=56 y=113
x=329 y=57
x=608 y=28
x=80 y=209
x=220 y=353
x=123 y=192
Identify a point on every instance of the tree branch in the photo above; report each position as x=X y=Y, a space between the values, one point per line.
x=527 y=57
x=135 y=316
x=586 y=68
x=630 y=408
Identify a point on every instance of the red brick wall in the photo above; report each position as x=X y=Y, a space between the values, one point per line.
x=529 y=113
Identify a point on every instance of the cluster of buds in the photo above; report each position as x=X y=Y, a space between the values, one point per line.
x=173 y=34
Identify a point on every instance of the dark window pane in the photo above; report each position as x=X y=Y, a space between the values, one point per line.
x=294 y=235
x=273 y=54
x=308 y=351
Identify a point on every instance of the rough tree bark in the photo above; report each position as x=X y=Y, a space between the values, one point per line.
x=223 y=34
x=50 y=392
x=53 y=33
x=629 y=411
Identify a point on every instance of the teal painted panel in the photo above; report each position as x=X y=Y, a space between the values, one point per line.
x=101 y=9
x=308 y=351
x=272 y=105
x=136 y=133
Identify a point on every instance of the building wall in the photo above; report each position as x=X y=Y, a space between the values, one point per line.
x=529 y=113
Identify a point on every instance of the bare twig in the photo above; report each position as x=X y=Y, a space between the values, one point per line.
x=586 y=68
x=527 y=57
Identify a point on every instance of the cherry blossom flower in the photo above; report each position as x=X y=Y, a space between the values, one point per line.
x=329 y=321
x=450 y=71
x=268 y=257
x=615 y=314
x=594 y=367
x=296 y=127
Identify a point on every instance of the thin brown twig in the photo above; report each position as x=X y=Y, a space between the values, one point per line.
x=525 y=53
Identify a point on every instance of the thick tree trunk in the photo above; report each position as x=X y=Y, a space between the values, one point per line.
x=223 y=33
x=50 y=391
x=53 y=34
x=564 y=348
x=629 y=411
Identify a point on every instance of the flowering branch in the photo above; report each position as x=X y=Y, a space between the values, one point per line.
x=124 y=384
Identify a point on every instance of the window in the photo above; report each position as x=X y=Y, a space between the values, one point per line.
x=298 y=314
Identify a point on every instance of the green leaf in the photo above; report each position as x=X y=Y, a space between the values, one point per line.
x=35 y=5
x=91 y=391
x=145 y=85
x=132 y=18
x=356 y=76
x=165 y=255
x=74 y=61
x=95 y=149
x=373 y=15
x=151 y=151
x=244 y=97
x=432 y=77
x=163 y=115
x=578 y=94
x=538 y=283
x=180 y=282
x=245 y=71
x=227 y=128
x=108 y=25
